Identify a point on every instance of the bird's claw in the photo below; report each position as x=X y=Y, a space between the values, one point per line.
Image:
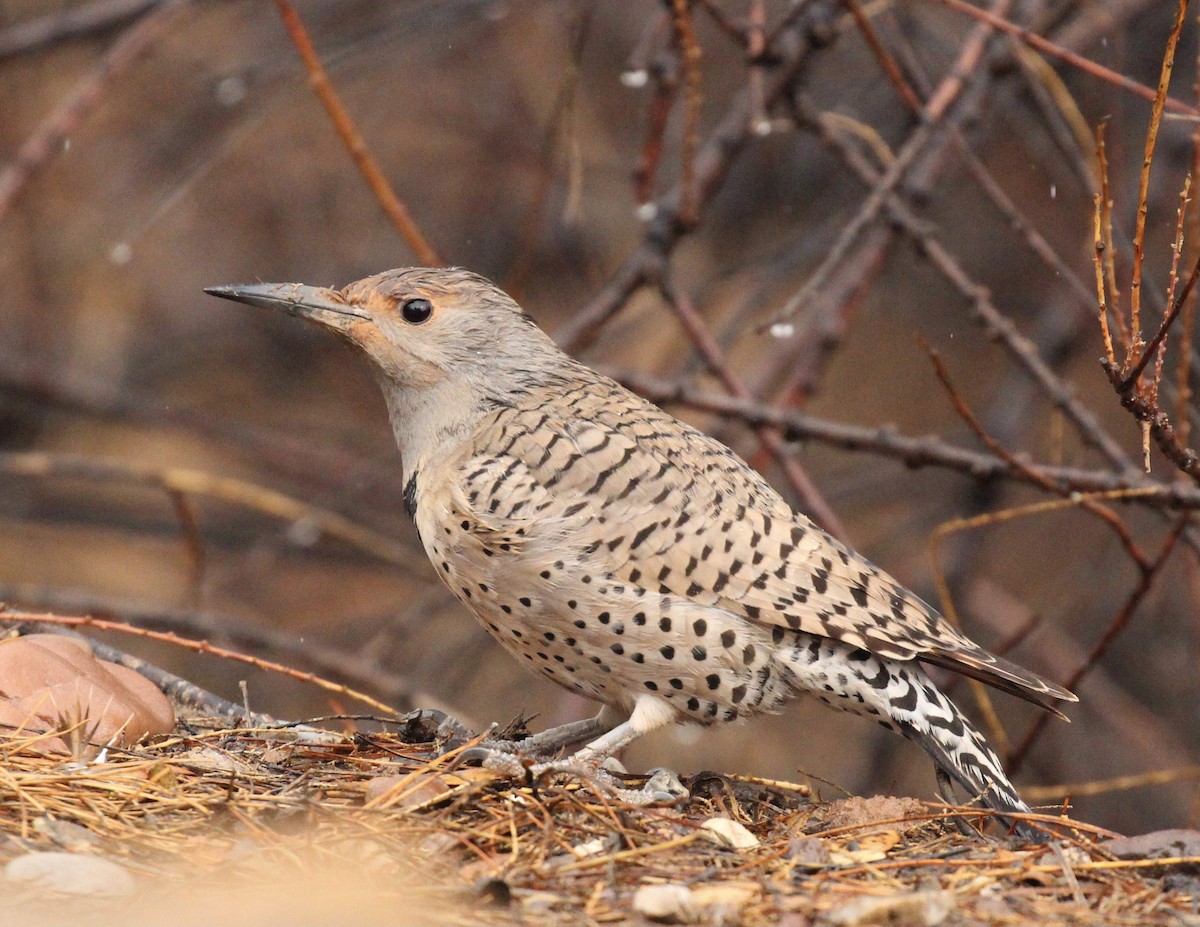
x=590 y=770
x=497 y=759
x=454 y=735
x=665 y=787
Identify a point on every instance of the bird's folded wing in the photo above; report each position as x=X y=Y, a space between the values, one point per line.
x=652 y=502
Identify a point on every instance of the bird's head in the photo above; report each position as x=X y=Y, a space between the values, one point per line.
x=423 y=327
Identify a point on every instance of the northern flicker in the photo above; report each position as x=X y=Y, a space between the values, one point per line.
x=627 y=556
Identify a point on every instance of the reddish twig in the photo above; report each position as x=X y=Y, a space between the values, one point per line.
x=1183 y=380
x=66 y=118
x=200 y=646
x=998 y=22
x=1110 y=249
x=178 y=689
x=1116 y=626
x=890 y=67
x=1173 y=284
x=689 y=53
x=1139 y=235
x=810 y=496
x=915 y=452
x=1139 y=398
x=1106 y=247
x=395 y=210
x=326 y=659
x=666 y=85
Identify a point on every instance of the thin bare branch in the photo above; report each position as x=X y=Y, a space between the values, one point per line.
x=1106 y=514
x=932 y=113
x=663 y=231
x=1143 y=202
x=689 y=49
x=888 y=63
x=1127 y=383
x=914 y=452
x=391 y=204
x=998 y=22
x=1116 y=626
x=984 y=311
x=42 y=465
x=198 y=646
x=810 y=496
x=47 y=139
x=325 y=659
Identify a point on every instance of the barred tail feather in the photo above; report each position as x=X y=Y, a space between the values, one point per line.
x=971 y=768
x=901 y=696
x=962 y=753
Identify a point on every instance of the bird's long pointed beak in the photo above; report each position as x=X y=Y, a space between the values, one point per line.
x=309 y=302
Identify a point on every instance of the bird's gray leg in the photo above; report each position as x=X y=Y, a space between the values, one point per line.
x=493 y=751
x=946 y=790
x=616 y=732
x=572 y=733
x=612 y=741
x=649 y=714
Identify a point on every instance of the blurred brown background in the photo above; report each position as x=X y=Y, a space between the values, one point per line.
x=507 y=129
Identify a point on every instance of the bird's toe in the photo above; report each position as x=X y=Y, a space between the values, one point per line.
x=665 y=787
x=505 y=762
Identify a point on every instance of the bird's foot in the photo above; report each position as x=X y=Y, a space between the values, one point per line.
x=666 y=786
x=511 y=757
x=662 y=788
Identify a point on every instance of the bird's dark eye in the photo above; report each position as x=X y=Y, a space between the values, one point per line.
x=416 y=311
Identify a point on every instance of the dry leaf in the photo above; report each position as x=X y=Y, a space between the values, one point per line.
x=721 y=901
x=669 y=903
x=70 y=874
x=731 y=833
x=869 y=849
x=917 y=909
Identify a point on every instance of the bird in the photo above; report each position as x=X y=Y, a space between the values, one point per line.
x=629 y=557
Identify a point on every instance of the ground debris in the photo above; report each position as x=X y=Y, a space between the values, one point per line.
x=859 y=812
x=670 y=903
x=1166 y=845
x=68 y=874
x=375 y=828
x=915 y=909
x=731 y=833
